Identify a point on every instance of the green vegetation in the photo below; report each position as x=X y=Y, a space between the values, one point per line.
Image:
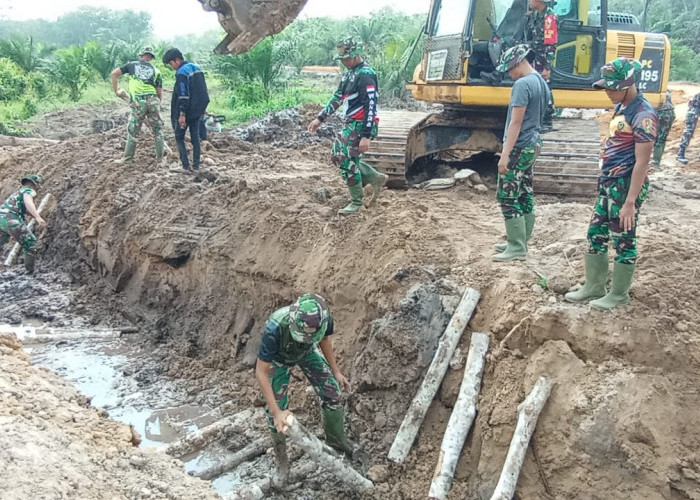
x=44 y=64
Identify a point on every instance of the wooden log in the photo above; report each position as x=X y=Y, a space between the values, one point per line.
x=317 y=452
x=14 y=253
x=249 y=452
x=59 y=335
x=462 y=418
x=433 y=378
x=10 y=140
x=528 y=412
x=198 y=439
x=260 y=488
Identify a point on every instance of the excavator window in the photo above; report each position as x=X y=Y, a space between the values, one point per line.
x=451 y=17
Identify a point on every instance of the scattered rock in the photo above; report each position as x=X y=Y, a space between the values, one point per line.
x=559 y=284
x=322 y=195
x=481 y=188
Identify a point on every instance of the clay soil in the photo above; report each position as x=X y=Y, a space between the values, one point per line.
x=199 y=262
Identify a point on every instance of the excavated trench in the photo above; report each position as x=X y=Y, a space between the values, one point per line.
x=197 y=264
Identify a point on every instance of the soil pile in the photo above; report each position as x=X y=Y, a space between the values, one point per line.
x=200 y=262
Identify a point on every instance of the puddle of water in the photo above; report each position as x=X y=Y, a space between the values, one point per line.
x=97 y=370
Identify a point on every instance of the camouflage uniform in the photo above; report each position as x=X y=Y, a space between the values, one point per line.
x=515 y=193
x=12 y=224
x=357 y=99
x=691 y=120
x=667 y=115
x=144 y=80
x=542 y=34
x=290 y=353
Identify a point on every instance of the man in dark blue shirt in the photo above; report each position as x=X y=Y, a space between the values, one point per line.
x=299 y=335
x=188 y=105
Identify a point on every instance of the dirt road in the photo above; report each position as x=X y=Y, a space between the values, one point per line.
x=199 y=263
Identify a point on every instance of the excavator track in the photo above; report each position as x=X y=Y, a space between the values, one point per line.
x=567 y=165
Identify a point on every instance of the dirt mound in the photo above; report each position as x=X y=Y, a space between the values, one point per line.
x=199 y=263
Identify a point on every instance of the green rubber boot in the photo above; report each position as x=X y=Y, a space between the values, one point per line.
x=596 y=274
x=529 y=227
x=334 y=427
x=279 y=444
x=29 y=262
x=619 y=289
x=129 y=151
x=516 y=248
x=160 y=147
x=356 y=203
x=658 y=153
x=376 y=179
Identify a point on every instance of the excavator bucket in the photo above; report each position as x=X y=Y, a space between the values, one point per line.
x=246 y=22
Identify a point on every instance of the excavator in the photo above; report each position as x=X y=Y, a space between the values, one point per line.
x=463 y=39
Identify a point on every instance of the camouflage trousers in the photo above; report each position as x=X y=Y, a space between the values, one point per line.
x=146 y=108
x=605 y=221
x=666 y=118
x=317 y=371
x=691 y=120
x=515 y=193
x=345 y=152
x=14 y=227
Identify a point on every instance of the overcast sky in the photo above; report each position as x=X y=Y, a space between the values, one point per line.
x=172 y=17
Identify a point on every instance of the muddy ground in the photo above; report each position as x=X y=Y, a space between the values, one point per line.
x=197 y=263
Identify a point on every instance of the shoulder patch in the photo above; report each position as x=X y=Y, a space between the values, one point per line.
x=647 y=125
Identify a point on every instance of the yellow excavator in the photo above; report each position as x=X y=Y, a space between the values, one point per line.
x=463 y=39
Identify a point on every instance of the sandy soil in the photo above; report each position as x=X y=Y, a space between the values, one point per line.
x=199 y=263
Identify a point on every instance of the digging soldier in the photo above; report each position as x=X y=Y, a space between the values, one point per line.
x=144 y=95
x=12 y=223
x=357 y=99
x=691 y=120
x=299 y=335
x=667 y=115
x=521 y=145
x=622 y=187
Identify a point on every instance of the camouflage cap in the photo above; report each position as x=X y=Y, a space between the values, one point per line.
x=618 y=74
x=348 y=48
x=149 y=51
x=33 y=178
x=308 y=318
x=511 y=57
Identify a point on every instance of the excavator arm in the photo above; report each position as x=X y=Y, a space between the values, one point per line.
x=246 y=22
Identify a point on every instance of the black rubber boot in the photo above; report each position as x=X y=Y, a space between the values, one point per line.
x=279 y=445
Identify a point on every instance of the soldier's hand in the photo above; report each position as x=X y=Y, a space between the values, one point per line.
x=314 y=125
x=121 y=93
x=503 y=165
x=627 y=216
x=41 y=222
x=365 y=143
x=343 y=381
x=280 y=421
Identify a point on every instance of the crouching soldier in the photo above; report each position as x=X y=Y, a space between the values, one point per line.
x=300 y=335
x=12 y=223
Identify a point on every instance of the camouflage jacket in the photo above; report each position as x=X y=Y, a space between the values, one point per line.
x=542 y=34
x=14 y=205
x=356 y=97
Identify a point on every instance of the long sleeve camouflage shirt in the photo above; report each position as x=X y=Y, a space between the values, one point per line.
x=356 y=98
x=542 y=35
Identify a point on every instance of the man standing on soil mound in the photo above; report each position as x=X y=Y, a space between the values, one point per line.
x=12 y=223
x=144 y=95
x=622 y=187
x=293 y=336
x=189 y=103
x=521 y=145
x=357 y=98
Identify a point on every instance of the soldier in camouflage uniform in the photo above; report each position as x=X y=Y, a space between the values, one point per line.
x=357 y=99
x=12 y=223
x=691 y=119
x=144 y=96
x=667 y=115
x=521 y=145
x=622 y=187
x=300 y=335
x=542 y=33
